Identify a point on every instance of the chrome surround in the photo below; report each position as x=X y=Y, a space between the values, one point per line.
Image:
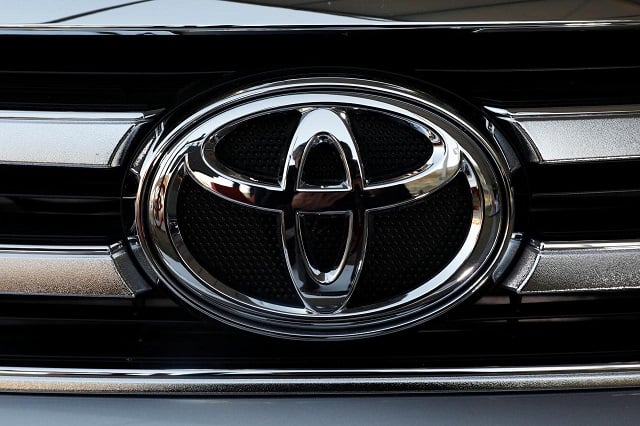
x=563 y=267
x=559 y=135
x=187 y=149
x=314 y=382
x=69 y=139
x=94 y=271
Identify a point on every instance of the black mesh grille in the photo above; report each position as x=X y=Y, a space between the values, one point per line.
x=240 y=246
x=389 y=147
x=323 y=166
x=257 y=147
x=324 y=239
x=408 y=245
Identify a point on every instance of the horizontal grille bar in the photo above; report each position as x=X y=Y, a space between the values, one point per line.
x=578 y=133
x=76 y=139
x=260 y=382
x=67 y=271
x=577 y=266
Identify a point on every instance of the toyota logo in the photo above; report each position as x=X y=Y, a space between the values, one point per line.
x=341 y=196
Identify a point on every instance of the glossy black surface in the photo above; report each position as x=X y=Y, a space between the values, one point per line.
x=584 y=201
x=153 y=332
x=52 y=205
x=551 y=67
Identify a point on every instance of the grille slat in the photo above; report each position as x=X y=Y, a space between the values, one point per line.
x=491 y=331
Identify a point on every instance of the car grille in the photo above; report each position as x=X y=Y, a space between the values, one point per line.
x=55 y=205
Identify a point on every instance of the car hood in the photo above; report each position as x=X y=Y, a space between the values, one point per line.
x=167 y=13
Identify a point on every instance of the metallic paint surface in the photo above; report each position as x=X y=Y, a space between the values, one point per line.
x=304 y=12
x=583 y=408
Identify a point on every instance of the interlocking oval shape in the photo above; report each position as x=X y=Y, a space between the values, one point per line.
x=326 y=291
x=188 y=148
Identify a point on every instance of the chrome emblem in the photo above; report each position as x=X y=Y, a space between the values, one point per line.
x=349 y=197
x=326 y=291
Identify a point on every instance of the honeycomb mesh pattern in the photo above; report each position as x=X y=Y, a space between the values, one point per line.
x=258 y=146
x=408 y=245
x=324 y=239
x=388 y=146
x=238 y=245
x=323 y=166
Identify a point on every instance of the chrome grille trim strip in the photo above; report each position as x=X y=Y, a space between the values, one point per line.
x=70 y=139
x=95 y=271
x=314 y=382
x=563 y=267
x=559 y=135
